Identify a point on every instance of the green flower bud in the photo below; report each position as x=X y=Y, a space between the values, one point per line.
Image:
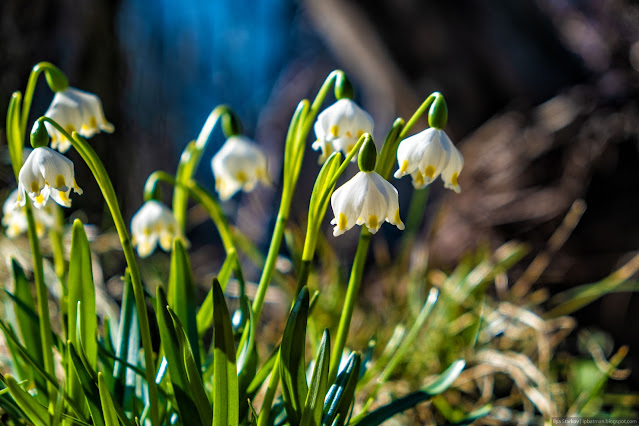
x=231 y=124
x=343 y=87
x=56 y=79
x=39 y=135
x=367 y=155
x=438 y=112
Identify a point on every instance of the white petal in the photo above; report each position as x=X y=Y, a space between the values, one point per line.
x=451 y=172
x=239 y=164
x=347 y=202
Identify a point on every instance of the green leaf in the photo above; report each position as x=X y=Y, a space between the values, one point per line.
x=36 y=412
x=446 y=379
x=85 y=377
x=28 y=324
x=247 y=359
x=110 y=414
x=443 y=382
x=292 y=365
x=205 y=314
x=186 y=406
x=340 y=396
x=226 y=398
x=323 y=178
x=474 y=415
x=14 y=141
x=181 y=295
x=263 y=373
x=319 y=384
x=81 y=311
x=196 y=387
x=128 y=344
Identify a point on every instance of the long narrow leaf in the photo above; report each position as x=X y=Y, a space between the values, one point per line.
x=36 y=412
x=340 y=396
x=205 y=314
x=247 y=359
x=127 y=344
x=181 y=295
x=86 y=380
x=441 y=384
x=225 y=401
x=28 y=324
x=196 y=387
x=314 y=405
x=81 y=311
x=292 y=364
x=110 y=414
x=186 y=407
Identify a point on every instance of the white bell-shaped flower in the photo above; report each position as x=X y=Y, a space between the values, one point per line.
x=46 y=173
x=154 y=223
x=427 y=155
x=16 y=219
x=367 y=199
x=239 y=165
x=339 y=127
x=76 y=111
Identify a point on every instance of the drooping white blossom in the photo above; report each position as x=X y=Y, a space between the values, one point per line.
x=367 y=199
x=46 y=173
x=339 y=127
x=75 y=110
x=153 y=223
x=239 y=165
x=15 y=219
x=427 y=155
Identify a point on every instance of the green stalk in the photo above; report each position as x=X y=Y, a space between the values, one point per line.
x=189 y=161
x=104 y=182
x=201 y=196
x=57 y=247
x=298 y=130
x=352 y=292
x=269 y=396
x=28 y=94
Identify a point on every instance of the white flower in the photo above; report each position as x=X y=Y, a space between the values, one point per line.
x=75 y=110
x=153 y=223
x=46 y=173
x=339 y=127
x=16 y=219
x=366 y=199
x=239 y=164
x=427 y=155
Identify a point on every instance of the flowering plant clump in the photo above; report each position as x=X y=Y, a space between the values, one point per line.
x=203 y=364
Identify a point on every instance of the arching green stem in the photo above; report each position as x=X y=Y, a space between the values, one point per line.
x=189 y=161
x=201 y=196
x=104 y=182
x=31 y=84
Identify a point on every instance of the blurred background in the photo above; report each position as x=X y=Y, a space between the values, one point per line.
x=542 y=99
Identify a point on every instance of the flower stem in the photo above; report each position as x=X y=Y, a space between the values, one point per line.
x=28 y=94
x=202 y=197
x=57 y=247
x=189 y=161
x=349 y=303
x=269 y=396
x=104 y=182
